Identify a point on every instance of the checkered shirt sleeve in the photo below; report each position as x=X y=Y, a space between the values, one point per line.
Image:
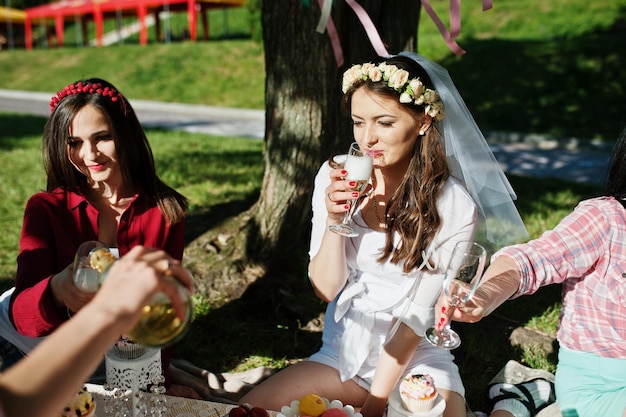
x=586 y=252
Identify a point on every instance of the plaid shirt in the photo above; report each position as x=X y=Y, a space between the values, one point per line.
x=587 y=253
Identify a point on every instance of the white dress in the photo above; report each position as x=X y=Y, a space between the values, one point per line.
x=358 y=321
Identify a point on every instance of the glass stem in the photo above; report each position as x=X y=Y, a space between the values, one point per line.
x=445 y=325
x=348 y=216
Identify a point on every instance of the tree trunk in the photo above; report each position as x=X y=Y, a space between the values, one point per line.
x=304 y=126
x=304 y=123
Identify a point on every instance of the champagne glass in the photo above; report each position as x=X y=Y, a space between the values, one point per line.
x=86 y=278
x=158 y=325
x=462 y=277
x=359 y=167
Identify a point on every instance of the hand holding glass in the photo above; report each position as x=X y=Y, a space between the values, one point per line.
x=359 y=167
x=159 y=325
x=462 y=277
x=86 y=278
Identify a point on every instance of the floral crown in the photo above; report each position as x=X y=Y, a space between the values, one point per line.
x=87 y=88
x=411 y=91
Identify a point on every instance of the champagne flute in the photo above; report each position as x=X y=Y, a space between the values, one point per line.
x=158 y=325
x=359 y=167
x=462 y=277
x=86 y=278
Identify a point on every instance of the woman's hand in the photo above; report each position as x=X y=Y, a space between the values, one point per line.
x=500 y=281
x=470 y=312
x=133 y=279
x=339 y=194
x=66 y=292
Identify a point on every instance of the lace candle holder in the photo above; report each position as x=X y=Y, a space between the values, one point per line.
x=134 y=377
x=133 y=374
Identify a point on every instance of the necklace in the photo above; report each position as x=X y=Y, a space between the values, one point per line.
x=381 y=223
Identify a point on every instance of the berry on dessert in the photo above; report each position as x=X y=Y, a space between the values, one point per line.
x=417 y=392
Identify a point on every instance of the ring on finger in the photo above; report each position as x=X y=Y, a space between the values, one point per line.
x=166 y=266
x=328 y=195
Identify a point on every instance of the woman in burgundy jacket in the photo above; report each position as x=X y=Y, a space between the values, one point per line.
x=101 y=185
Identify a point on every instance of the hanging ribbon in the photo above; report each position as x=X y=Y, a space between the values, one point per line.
x=455 y=25
x=325 y=7
x=370 y=28
x=455 y=22
x=368 y=25
x=449 y=37
x=326 y=22
x=455 y=18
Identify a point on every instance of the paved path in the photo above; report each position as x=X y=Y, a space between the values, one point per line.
x=573 y=160
x=192 y=118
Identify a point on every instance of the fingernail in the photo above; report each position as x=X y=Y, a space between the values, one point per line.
x=443 y=309
x=352 y=183
x=346 y=207
x=355 y=195
x=344 y=172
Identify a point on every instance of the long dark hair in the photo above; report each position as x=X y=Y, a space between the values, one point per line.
x=131 y=144
x=616 y=179
x=412 y=210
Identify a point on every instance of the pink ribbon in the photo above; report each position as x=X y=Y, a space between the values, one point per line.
x=455 y=22
x=370 y=28
x=373 y=35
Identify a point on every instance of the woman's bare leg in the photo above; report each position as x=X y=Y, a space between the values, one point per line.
x=455 y=404
x=300 y=379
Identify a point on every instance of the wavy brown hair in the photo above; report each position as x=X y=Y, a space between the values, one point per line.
x=412 y=210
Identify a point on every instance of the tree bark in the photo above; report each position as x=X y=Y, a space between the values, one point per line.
x=304 y=123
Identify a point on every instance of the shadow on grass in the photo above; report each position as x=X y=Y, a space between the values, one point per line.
x=550 y=86
x=200 y=220
x=276 y=318
x=16 y=128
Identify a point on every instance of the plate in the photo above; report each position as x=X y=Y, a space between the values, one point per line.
x=293 y=409
x=396 y=409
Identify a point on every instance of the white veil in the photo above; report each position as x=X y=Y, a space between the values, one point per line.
x=472 y=162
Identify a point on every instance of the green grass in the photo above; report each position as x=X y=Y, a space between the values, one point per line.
x=534 y=66
x=184 y=72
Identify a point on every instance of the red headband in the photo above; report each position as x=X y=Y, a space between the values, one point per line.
x=81 y=87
